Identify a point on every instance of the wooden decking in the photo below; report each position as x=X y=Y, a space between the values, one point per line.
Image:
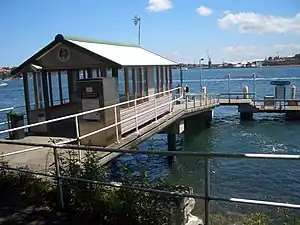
x=235 y=102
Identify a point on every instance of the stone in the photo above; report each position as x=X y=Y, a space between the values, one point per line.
x=194 y=220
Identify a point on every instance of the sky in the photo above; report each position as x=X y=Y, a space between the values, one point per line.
x=182 y=30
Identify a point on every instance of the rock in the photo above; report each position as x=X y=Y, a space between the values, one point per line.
x=194 y=220
x=189 y=205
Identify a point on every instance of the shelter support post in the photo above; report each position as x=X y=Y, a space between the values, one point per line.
x=26 y=95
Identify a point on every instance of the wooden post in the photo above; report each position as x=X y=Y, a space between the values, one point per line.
x=146 y=82
x=26 y=95
x=103 y=72
x=157 y=79
x=133 y=83
x=71 y=74
x=141 y=83
x=114 y=72
x=98 y=72
x=35 y=90
x=162 y=79
x=170 y=77
x=60 y=88
x=40 y=88
x=46 y=96
x=90 y=73
x=126 y=85
x=167 y=76
x=50 y=88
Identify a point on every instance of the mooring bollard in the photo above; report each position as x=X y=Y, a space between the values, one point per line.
x=246 y=92
x=204 y=94
x=293 y=92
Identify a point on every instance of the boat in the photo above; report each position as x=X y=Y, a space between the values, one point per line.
x=184 y=68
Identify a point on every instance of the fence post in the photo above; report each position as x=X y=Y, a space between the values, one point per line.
x=170 y=108
x=155 y=109
x=78 y=135
x=207 y=192
x=201 y=99
x=116 y=124
x=186 y=102
x=58 y=177
x=136 y=119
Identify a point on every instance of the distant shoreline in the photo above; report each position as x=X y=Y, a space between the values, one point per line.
x=281 y=66
x=277 y=66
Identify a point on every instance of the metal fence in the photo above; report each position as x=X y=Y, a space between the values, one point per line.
x=207 y=197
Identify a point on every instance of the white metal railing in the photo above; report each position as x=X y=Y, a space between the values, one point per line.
x=207 y=197
x=201 y=100
x=204 y=99
x=116 y=123
x=3 y=111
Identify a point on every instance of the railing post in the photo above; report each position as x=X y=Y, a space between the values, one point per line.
x=181 y=98
x=58 y=178
x=186 y=103
x=194 y=101
x=201 y=96
x=205 y=99
x=78 y=135
x=116 y=124
x=136 y=119
x=207 y=192
x=155 y=109
x=170 y=105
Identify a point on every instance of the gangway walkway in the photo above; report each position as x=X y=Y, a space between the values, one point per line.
x=178 y=107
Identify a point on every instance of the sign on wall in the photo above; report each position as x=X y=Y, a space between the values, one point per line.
x=63 y=54
x=280 y=92
x=280 y=82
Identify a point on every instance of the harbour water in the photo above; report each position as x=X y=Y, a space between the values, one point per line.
x=255 y=179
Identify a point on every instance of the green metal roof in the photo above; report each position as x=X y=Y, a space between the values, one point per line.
x=73 y=38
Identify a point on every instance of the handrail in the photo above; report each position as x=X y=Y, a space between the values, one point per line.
x=6 y=109
x=86 y=112
x=128 y=119
x=207 y=197
x=209 y=155
x=237 y=93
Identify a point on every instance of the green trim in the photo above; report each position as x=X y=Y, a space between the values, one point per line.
x=99 y=41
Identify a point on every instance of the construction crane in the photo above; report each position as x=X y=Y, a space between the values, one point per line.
x=209 y=60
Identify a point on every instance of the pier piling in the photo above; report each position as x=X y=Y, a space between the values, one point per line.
x=171 y=146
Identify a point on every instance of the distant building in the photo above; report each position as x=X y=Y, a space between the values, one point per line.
x=4 y=71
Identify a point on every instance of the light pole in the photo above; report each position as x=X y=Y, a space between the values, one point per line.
x=200 y=65
x=137 y=21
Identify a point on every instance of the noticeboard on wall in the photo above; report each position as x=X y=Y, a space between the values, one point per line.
x=90 y=104
x=280 y=92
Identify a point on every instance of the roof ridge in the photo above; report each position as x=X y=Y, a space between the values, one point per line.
x=89 y=40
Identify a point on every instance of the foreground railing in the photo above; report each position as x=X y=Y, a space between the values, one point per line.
x=207 y=197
